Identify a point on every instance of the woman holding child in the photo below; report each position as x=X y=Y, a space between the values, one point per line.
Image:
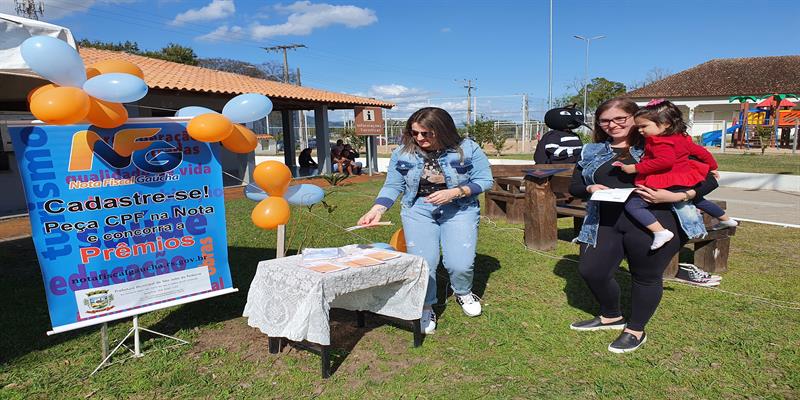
x=610 y=234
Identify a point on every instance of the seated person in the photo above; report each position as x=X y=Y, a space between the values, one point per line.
x=352 y=155
x=340 y=163
x=305 y=160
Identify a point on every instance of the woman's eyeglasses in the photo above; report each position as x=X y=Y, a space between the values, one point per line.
x=414 y=133
x=617 y=120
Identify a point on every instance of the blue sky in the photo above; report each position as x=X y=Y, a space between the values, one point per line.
x=411 y=51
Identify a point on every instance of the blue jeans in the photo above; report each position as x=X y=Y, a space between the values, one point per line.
x=453 y=229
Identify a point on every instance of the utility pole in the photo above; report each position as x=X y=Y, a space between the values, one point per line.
x=469 y=88
x=285 y=58
x=586 y=74
x=550 y=61
x=525 y=130
x=302 y=125
x=29 y=8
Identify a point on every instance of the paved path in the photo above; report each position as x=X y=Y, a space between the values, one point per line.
x=762 y=205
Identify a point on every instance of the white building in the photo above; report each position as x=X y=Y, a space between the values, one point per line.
x=703 y=91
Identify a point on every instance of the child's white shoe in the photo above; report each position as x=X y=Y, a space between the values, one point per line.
x=729 y=223
x=660 y=238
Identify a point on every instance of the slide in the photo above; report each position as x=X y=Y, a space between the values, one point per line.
x=713 y=138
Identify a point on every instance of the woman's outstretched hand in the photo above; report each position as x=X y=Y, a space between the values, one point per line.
x=372 y=216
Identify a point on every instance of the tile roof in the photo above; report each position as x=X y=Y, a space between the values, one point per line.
x=729 y=77
x=161 y=74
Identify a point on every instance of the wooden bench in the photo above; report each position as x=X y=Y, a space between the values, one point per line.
x=548 y=199
x=506 y=199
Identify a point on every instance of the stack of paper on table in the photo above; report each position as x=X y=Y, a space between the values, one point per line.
x=358 y=261
x=324 y=266
x=380 y=254
x=326 y=253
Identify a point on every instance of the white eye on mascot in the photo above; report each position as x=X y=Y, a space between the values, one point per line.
x=560 y=145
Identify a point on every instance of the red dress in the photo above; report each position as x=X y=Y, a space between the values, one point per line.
x=666 y=162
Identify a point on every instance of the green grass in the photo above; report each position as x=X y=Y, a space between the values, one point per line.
x=702 y=343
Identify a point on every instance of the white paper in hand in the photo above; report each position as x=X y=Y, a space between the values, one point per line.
x=613 y=195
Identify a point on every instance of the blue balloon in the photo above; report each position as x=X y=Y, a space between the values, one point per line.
x=304 y=195
x=297 y=195
x=247 y=107
x=193 y=111
x=253 y=192
x=54 y=60
x=116 y=87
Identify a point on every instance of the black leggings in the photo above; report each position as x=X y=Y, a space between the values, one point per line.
x=620 y=236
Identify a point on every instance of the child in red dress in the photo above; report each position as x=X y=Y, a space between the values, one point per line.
x=666 y=165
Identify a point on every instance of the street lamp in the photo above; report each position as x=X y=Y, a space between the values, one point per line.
x=586 y=75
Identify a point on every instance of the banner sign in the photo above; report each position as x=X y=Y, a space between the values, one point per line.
x=369 y=121
x=125 y=220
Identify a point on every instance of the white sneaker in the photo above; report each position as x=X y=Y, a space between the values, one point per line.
x=428 y=321
x=470 y=303
x=661 y=238
x=730 y=223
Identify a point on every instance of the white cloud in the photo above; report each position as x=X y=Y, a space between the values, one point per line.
x=445 y=30
x=217 y=9
x=304 y=17
x=222 y=33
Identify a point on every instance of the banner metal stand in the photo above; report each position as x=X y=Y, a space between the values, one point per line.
x=137 y=351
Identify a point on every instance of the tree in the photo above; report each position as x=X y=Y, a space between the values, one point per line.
x=485 y=131
x=600 y=90
x=348 y=134
x=175 y=53
x=172 y=52
x=653 y=75
x=267 y=70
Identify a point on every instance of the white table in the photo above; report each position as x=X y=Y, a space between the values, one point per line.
x=288 y=301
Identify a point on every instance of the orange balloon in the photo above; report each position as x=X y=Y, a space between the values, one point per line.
x=209 y=127
x=126 y=67
x=61 y=105
x=271 y=212
x=39 y=90
x=91 y=72
x=106 y=114
x=398 y=240
x=242 y=140
x=273 y=177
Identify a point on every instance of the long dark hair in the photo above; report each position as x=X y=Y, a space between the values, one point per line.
x=437 y=121
x=624 y=104
x=664 y=113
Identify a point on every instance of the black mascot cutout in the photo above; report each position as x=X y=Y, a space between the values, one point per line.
x=560 y=145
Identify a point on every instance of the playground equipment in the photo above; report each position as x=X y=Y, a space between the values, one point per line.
x=773 y=110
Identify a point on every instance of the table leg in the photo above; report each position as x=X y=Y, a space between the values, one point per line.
x=326 y=362
x=417 y=332
x=274 y=345
x=360 y=319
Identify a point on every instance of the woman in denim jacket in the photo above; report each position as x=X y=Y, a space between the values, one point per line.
x=608 y=234
x=440 y=175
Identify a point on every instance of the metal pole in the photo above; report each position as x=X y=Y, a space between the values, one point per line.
x=724 y=136
x=137 y=347
x=550 y=61
x=796 y=133
x=281 y=243
x=586 y=79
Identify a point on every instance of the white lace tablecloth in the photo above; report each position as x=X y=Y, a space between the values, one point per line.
x=289 y=301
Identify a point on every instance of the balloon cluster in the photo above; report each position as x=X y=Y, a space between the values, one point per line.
x=273 y=206
x=210 y=126
x=77 y=93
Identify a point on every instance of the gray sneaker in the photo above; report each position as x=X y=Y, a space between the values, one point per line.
x=693 y=277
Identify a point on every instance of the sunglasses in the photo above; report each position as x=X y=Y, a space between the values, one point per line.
x=414 y=133
x=617 y=120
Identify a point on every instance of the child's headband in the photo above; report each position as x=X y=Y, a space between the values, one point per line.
x=655 y=102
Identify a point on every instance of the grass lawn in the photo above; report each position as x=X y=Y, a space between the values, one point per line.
x=703 y=343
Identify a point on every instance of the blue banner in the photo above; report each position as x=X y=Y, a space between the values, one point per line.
x=125 y=220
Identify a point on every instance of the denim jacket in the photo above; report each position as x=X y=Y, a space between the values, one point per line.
x=596 y=154
x=405 y=169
